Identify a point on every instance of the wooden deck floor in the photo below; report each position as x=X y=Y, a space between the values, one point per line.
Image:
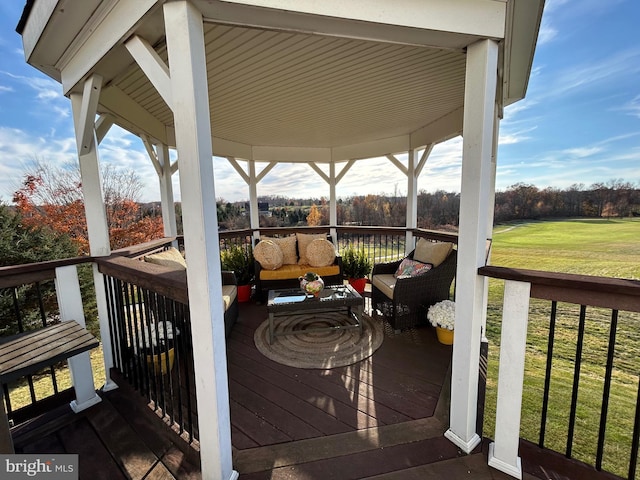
x=382 y=419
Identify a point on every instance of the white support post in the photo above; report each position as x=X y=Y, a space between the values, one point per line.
x=333 y=203
x=412 y=200
x=70 y=303
x=254 y=216
x=166 y=192
x=503 y=452
x=187 y=64
x=84 y=108
x=479 y=106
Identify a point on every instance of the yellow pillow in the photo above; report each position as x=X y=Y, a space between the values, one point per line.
x=268 y=254
x=321 y=253
x=288 y=247
x=432 y=252
x=304 y=239
x=168 y=258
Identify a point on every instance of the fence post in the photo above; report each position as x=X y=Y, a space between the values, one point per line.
x=503 y=452
x=70 y=303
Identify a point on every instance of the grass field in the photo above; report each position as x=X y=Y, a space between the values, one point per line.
x=609 y=248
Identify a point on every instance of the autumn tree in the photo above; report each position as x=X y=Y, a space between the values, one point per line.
x=315 y=217
x=21 y=244
x=52 y=197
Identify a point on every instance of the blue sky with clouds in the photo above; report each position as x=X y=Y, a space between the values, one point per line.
x=579 y=124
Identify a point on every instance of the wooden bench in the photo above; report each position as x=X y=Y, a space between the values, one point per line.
x=29 y=352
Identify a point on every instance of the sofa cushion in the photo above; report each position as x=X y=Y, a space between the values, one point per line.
x=321 y=253
x=229 y=293
x=168 y=258
x=304 y=239
x=385 y=282
x=288 y=272
x=268 y=254
x=288 y=247
x=412 y=268
x=432 y=252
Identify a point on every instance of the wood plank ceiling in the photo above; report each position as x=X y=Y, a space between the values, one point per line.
x=277 y=88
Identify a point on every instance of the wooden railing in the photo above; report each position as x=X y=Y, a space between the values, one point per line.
x=591 y=322
x=28 y=302
x=150 y=332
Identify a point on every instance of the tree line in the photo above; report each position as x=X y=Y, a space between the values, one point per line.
x=440 y=209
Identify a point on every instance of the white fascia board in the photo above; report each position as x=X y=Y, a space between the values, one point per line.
x=519 y=49
x=375 y=148
x=228 y=148
x=115 y=27
x=39 y=16
x=132 y=116
x=440 y=130
x=291 y=154
x=481 y=18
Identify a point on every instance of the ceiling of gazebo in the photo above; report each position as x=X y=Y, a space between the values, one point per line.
x=296 y=80
x=277 y=88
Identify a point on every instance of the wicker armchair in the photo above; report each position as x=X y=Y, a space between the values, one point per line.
x=412 y=296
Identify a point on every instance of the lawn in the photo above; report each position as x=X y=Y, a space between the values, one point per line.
x=609 y=248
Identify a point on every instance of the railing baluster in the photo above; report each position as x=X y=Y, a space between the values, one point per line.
x=547 y=377
x=576 y=381
x=607 y=388
x=635 y=442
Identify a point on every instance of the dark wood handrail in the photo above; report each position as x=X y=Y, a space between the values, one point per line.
x=165 y=281
x=17 y=275
x=615 y=293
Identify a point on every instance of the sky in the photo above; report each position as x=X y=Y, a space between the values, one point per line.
x=578 y=124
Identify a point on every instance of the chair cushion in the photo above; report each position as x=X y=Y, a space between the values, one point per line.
x=321 y=253
x=168 y=258
x=229 y=293
x=268 y=254
x=288 y=272
x=432 y=252
x=385 y=282
x=304 y=239
x=288 y=247
x=412 y=268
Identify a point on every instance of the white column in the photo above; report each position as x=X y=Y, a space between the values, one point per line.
x=70 y=303
x=84 y=111
x=412 y=199
x=166 y=192
x=253 y=196
x=479 y=104
x=503 y=452
x=187 y=64
x=333 y=202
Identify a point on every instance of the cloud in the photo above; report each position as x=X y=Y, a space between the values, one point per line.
x=632 y=107
x=582 y=152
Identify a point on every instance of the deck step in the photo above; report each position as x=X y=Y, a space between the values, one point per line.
x=339 y=448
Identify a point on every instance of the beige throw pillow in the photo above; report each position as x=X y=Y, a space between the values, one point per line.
x=432 y=252
x=268 y=254
x=288 y=247
x=321 y=253
x=304 y=239
x=168 y=258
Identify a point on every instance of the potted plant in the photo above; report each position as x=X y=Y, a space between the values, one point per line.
x=157 y=345
x=356 y=266
x=442 y=315
x=239 y=260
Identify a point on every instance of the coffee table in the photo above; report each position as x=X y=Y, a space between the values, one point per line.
x=334 y=298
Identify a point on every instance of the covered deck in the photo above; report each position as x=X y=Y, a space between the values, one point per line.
x=381 y=418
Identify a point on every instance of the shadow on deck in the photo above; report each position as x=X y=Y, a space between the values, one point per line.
x=381 y=419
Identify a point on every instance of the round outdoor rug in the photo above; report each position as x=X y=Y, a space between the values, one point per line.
x=324 y=349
